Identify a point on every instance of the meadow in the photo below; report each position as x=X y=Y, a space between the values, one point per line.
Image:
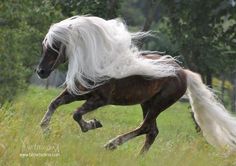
x=23 y=143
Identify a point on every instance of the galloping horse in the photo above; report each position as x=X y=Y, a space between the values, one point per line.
x=105 y=67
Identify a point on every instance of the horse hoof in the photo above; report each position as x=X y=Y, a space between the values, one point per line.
x=84 y=130
x=44 y=126
x=110 y=146
x=46 y=130
x=97 y=123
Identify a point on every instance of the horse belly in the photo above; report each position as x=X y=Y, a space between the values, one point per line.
x=134 y=91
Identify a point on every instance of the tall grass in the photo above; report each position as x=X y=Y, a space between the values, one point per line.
x=176 y=145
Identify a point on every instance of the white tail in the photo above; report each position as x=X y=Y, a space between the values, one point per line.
x=218 y=126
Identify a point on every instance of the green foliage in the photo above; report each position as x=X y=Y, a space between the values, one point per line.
x=200 y=29
x=101 y=8
x=202 y=32
x=11 y=67
x=132 y=13
x=177 y=143
x=23 y=25
x=163 y=39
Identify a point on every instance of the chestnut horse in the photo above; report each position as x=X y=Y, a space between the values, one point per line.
x=81 y=39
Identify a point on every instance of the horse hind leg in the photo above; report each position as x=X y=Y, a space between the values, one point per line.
x=151 y=110
x=167 y=96
x=150 y=138
x=153 y=132
x=153 y=107
x=119 y=140
x=147 y=127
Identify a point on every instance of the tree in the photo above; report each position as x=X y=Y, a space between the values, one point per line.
x=106 y=9
x=23 y=25
x=152 y=7
x=197 y=27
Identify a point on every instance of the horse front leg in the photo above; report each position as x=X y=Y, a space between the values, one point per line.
x=91 y=104
x=64 y=98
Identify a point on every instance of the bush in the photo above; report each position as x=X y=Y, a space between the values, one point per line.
x=12 y=71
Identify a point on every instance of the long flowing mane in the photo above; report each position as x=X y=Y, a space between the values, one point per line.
x=99 y=50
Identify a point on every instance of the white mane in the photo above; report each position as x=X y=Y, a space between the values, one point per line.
x=99 y=50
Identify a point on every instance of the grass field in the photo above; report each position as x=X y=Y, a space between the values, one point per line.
x=176 y=145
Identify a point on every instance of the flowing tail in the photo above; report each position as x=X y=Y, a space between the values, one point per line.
x=218 y=126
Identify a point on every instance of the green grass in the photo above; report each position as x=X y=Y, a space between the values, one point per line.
x=176 y=145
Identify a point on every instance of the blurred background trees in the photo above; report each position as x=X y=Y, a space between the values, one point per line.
x=201 y=33
x=23 y=24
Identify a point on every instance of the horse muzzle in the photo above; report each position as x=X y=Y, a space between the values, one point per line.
x=42 y=73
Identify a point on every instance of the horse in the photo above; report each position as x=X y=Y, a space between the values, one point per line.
x=105 y=67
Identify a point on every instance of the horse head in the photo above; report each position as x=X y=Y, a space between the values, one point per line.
x=52 y=56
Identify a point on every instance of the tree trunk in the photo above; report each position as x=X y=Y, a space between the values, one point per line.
x=233 y=100
x=152 y=6
x=222 y=87
x=209 y=79
x=112 y=9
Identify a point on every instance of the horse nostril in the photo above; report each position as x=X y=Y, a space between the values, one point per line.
x=41 y=71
